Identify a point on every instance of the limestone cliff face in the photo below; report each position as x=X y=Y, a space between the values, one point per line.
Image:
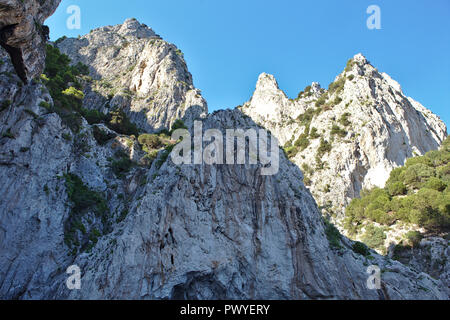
x=135 y=70
x=164 y=231
x=376 y=128
x=23 y=35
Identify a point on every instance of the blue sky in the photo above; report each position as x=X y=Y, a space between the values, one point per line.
x=228 y=43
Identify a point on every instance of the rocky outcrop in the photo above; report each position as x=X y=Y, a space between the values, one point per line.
x=135 y=70
x=23 y=35
x=191 y=231
x=164 y=231
x=349 y=137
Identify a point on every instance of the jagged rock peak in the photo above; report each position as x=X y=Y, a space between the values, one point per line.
x=373 y=127
x=130 y=27
x=266 y=81
x=360 y=58
x=23 y=35
x=133 y=69
x=316 y=87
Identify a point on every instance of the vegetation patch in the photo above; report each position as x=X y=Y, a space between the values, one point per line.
x=374 y=237
x=417 y=193
x=84 y=202
x=333 y=235
x=360 y=248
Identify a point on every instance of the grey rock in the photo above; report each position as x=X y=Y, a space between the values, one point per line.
x=23 y=35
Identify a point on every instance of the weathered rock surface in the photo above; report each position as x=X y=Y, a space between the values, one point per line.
x=190 y=231
x=383 y=129
x=23 y=35
x=135 y=70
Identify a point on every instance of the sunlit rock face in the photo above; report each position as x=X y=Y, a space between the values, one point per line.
x=380 y=129
x=134 y=69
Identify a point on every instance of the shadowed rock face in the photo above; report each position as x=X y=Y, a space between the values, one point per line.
x=23 y=35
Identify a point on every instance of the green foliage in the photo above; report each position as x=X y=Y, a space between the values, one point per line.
x=337 y=86
x=322 y=100
x=414 y=238
x=350 y=64
x=291 y=151
x=122 y=164
x=101 y=136
x=396 y=189
x=62 y=81
x=93 y=116
x=150 y=141
x=178 y=124
x=119 y=122
x=83 y=200
x=415 y=193
x=361 y=248
x=344 y=119
x=314 y=133
x=336 y=130
x=302 y=142
x=333 y=235
x=324 y=147
x=374 y=237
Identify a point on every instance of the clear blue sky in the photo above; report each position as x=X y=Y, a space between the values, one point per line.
x=228 y=43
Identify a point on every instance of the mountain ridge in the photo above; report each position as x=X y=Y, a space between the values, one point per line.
x=78 y=196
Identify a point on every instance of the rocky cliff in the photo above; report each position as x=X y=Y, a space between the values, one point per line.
x=350 y=136
x=159 y=231
x=23 y=35
x=135 y=70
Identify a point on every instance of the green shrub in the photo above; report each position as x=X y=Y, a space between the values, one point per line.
x=302 y=142
x=415 y=193
x=337 y=86
x=435 y=184
x=83 y=198
x=344 y=119
x=150 y=141
x=121 y=165
x=414 y=238
x=360 y=248
x=324 y=147
x=120 y=123
x=93 y=116
x=291 y=151
x=336 y=130
x=350 y=64
x=333 y=235
x=314 y=133
x=322 y=100
x=396 y=189
x=62 y=81
x=101 y=136
x=374 y=237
